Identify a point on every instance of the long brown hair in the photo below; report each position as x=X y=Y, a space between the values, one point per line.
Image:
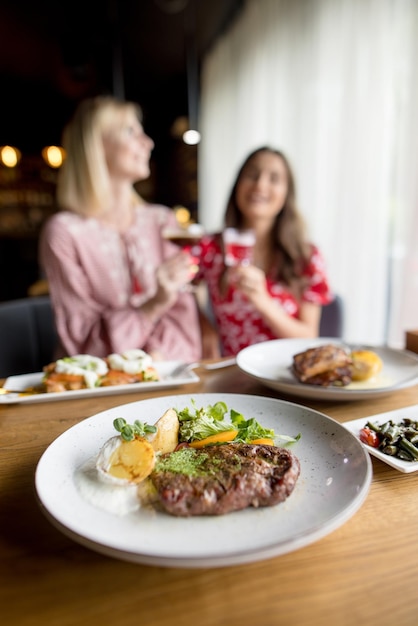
x=291 y=248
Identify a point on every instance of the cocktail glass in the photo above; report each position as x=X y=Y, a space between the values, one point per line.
x=238 y=246
x=188 y=238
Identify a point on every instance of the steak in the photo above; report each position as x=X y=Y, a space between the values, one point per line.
x=220 y=479
x=324 y=365
x=340 y=376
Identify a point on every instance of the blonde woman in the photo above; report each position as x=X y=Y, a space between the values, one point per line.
x=115 y=283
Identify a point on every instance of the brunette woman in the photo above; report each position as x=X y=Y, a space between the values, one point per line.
x=281 y=291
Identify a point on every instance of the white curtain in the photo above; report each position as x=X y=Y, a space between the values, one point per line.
x=334 y=84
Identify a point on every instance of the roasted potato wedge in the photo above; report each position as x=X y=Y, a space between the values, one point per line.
x=132 y=460
x=166 y=437
x=366 y=364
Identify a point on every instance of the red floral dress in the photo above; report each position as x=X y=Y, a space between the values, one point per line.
x=238 y=321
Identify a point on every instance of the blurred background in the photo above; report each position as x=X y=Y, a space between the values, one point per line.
x=332 y=83
x=54 y=54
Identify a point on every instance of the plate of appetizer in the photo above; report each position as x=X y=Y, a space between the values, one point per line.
x=391 y=437
x=145 y=482
x=328 y=368
x=84 y=375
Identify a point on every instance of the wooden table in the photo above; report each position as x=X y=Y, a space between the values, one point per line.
x=364 y=573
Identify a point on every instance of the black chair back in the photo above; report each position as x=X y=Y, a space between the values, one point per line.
x=332 y=319
x=28 y=338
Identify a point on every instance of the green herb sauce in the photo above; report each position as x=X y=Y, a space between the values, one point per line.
x=192 y=462
x=185 y=461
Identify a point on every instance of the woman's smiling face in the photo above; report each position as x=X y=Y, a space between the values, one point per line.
x=262 y=187
x=128 y=149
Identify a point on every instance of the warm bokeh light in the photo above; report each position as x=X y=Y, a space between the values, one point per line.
x=10 y=156
x=182 y=215
x=179 y=126
x=191 y=137
x=53 y=156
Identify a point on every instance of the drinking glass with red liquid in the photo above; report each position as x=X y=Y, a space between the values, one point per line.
x=188 y=238
x=238 y=246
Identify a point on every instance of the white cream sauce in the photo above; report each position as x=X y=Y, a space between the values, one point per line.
x=373 y=383
x=131 y=361
x=90 y=367
x=110 y=497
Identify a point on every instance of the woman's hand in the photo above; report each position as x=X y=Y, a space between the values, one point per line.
x=251 y=281
x=173 y=274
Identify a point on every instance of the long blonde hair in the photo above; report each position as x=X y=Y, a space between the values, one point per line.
x=83 y=182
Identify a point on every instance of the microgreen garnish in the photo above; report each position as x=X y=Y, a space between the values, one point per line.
x=128 y=432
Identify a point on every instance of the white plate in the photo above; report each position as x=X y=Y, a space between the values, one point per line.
x=270 y=362
x=334 y=482
x=164 y=368
x=397 y=416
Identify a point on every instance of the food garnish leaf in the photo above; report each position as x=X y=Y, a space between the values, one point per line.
x=249 y=430
x=198 y=423
x=128 y=432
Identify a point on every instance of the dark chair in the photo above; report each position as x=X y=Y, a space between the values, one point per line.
x=332 y=319
x=28 y=338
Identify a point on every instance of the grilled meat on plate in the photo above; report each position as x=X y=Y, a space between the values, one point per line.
x=324 y=365
x=220 y=479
